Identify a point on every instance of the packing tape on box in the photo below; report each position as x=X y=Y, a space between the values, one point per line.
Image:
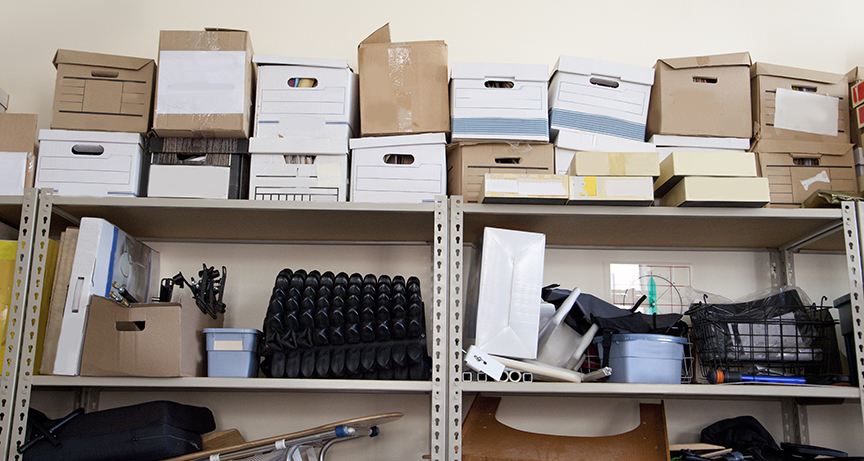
x=201 y=82
x=399 y=57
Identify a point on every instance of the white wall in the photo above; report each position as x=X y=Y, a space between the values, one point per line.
x=816 y=35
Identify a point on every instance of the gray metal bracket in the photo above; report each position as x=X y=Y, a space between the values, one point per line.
x=440 y=396
x=853 y=229
x=454 y=422
x=782 y=263
x=795 y=429
x=14 y=327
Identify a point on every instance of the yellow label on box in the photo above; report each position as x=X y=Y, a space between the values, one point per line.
x=589 y=187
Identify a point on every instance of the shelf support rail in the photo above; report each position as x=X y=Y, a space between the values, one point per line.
x=15 y=323
x=853 y=229
x=456 y=248
x=440 y=376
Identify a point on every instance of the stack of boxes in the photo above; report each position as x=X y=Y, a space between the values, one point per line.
x=801 y=122
x=102 y=106
x=305 y=112
x=600 y=109
x=500 y=133
x=404 y=118
x=700 y=120
x=204 y=90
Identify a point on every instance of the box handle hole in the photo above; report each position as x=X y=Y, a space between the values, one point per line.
x=302 y=82
x=509 y=160
x=130 y=326
x=105 y=73
x=399 y=159
x=603 y=82
x=299 y=159
x=805 y=89
x=498 y=84
x=711 y=80
x=806 y=161
x=88 y=149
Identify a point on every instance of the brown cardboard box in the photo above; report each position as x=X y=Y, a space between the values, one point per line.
x=403 y=86
x=679 y=165
x=18 y=134
x=467 y=162
x=615 y=164
x=181 y=109
x=102 y=92
x=795 y=169
x=766 y=79
x=701 y=96
x=153 y=340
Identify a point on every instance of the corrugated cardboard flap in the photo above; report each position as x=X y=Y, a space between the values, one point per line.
x=83 y=58
x=801 y=148
x=855 y=75
x=483 y=71
x=717 y=60
x=382 y=35
x=773 y=70
x=263 y=59
x=404 y=140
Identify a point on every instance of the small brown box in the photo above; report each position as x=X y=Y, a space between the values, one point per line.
x=205 y=84
x=18 y=134
x=701 y=96
x=102 y=92
x=467 y=162
x=403 y=86
x=150 y=340
x=796 y=169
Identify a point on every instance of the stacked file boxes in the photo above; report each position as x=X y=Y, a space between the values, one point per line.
x=404 y=118
x=102 y=105
x=306 y=110
x=700 y=121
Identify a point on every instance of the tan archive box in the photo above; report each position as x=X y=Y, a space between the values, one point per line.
x=150 y=340
x=679 y=165
x=701 y=96
x=615 y=164
x=467 y=162
x=535 y=189
x=704 y=191
x=403 y=86
x=204 y=85
x=791 y=104
x=102 y=92
x=17 y=152
x=796 y=169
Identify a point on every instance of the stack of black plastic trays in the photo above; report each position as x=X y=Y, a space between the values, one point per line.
x=340 y=326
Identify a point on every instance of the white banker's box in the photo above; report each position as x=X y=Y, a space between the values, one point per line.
x=388 y=169
x=567 y=143
x=104 y=254
x=312 y=172
x=600 y=97
x=304 y=97
x=499 y=101
x=503 y=305
x=92 y=163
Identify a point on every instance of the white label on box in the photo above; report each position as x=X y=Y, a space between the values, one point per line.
x=504 y=186
x=13 y=170
x=821 y=177
x=627 y=187
x=201 y=82
x=482 y=362
x=807 y=112
x=329 y=174
x=224 y=345
x=535 y=187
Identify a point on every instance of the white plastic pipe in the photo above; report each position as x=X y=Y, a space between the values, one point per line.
x=540 y=368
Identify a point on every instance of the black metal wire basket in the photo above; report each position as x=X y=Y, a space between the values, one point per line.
x=781 y=339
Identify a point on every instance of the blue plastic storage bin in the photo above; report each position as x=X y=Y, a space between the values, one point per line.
x=645 y=358
x=232 y=352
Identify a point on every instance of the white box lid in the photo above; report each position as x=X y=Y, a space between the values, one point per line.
x=592 y=142
x=405 y=140
x=90 y=136
x=623 y=72
x=484 y=71
x=264 y=59
x=664 y=140
x=298 y=146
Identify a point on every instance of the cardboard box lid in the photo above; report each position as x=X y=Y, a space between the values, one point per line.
x=717 y=60
x=406 y=140
x=270 y=60
x=578 y=140
x=623 y=72
x=298 y=146
x=774 y=70
x=90 y=136
x=801 y=147
x=83 y=58
x=485 y=71
x=198 y=145
x=664 y=140
x=18 y=132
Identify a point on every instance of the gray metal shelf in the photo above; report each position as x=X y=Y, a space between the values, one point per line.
x=234 y=384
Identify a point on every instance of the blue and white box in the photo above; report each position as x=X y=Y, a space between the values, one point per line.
x=499 y=101
x=104 y=255
x=600 y=97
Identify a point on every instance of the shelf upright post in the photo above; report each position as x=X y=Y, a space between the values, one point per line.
x=14 y=326
x=440 y=375
x=454 y=361
x=853 y=229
